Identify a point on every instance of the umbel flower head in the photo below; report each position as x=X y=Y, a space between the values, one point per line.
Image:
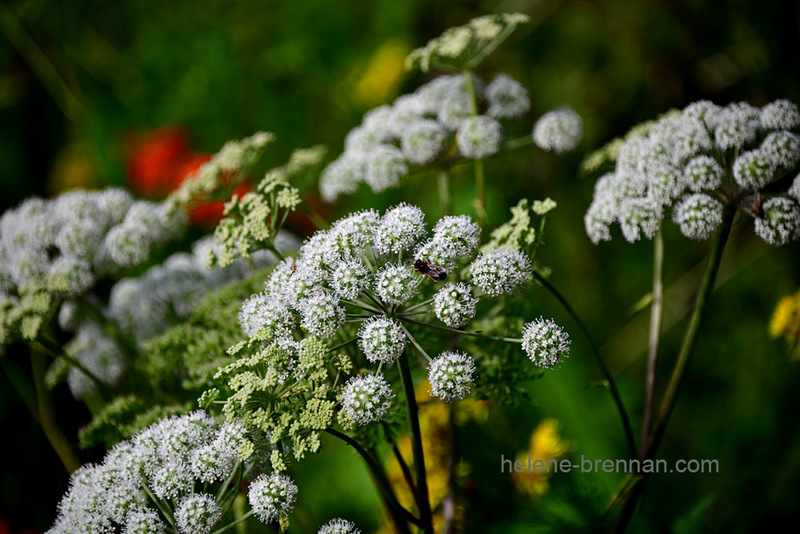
x=166 y=459
x=367 y=398
x=451 y=375
x=272 y=496
x=698 y=163
x=546 y=343
x=339 y=526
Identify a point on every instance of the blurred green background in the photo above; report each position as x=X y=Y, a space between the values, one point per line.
x=80 y=81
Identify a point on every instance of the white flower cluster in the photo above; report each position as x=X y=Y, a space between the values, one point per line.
x=143 y=306
x=97 y=354
x=697 y=161
x=422 y=127
x=558 y=131
x=339 y=526
x=167 y=459
x=272 y=496
x=366 y=398
x=451 y=375
x=65 y=243
x=546 y=343
x=381 y=270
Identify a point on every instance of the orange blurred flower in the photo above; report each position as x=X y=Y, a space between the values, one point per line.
x=160 y=160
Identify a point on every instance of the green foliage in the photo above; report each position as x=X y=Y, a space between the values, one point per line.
x=268 y=393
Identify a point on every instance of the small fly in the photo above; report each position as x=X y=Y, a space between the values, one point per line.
x=434 y=272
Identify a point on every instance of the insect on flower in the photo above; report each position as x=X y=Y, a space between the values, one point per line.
x=434 y=272
x=753 y=205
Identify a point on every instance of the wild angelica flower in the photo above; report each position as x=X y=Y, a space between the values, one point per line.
x=454 y=304
x=450 y=376
x=423 y=141
x=197 y=514
x=703 y=173
x=262 y=313
x=794 y=190
x=479 y=137
x=272 y=496
x=782 y=148
x=396 y=283
x=507 y=98
x=780 y=115
x=349 y=279
x=500 y=271
x=338 y=526
x=385 y=166
x=342 y=176
x=399 y=229
x=780 y=222
x=546 y=343
x=459 y=232
x=742 y=150
x=381 y=339
x=698 y=215
x=366 y=398
x=322 y=315
x=753 y=169
x=558 y=131
x=144 y=521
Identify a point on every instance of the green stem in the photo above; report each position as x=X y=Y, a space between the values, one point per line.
x=445 y=192
x=480 y=177
x=460 y=332
x=234 y=523
x=274 y=250
x=55 y=350
x=414 y=342
x=315 y=217
x=378 y=473
x=426 y=515
x=46 y=416
x=656 y=314
x=401 y=462
x=690 y=338
x=612 y=386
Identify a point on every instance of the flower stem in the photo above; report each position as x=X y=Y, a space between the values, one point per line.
x=401 y=462
x=612 y=386
x=445 y=191
x=670 y=395
x=55 y=350
x=46 y=417
x=426 y=516
x=378 y=474
x=234 y=523
x=460 y=332
x=656 y=313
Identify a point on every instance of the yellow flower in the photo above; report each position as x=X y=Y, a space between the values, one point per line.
x=545 y=444
x=786 y=322
x=382 y=74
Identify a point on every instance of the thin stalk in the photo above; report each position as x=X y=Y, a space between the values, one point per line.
x=378 y=473
x=234 y=523
x=480 y=176
x=401 y=462
x=315 y=217
x=449 y=503
x=656 y=315
x=341 y=345
x=274 y=250
x=417 y=306
x=414 y=342
x=445 y=191
x=55 y=350
x=425 y=513
x=46 y=416
x=612 y=386
x=676 y=379
x=460 y=332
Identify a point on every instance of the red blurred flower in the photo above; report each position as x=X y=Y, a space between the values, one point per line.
x=154 y=160
x=160 y=161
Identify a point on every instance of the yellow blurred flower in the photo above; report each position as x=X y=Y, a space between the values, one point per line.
x=73 y=169
x=545 y=444
x=786 y=322
x=382 y=75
